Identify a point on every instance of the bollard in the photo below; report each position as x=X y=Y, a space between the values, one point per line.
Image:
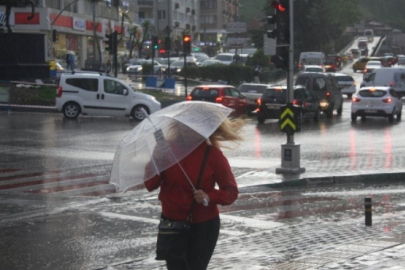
x=368 y=211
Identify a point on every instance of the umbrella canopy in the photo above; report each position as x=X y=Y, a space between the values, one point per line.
x=164 y=139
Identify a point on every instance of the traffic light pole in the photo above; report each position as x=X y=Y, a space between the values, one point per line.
x=290 y=152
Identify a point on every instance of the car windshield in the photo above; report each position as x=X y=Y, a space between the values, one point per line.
x=372 y=93
x=205 y=93
x=278 y=95
x=252 y=88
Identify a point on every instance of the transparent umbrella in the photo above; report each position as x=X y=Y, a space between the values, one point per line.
x=163 y=139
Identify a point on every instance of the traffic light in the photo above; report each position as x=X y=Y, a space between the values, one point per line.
x=186 y=44
x=279 y=24
x=155 y=43
x=280 y=60
x=54 y=35
x=109 y=42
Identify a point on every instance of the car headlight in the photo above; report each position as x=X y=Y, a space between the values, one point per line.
x=140 y=68
x=178 y=70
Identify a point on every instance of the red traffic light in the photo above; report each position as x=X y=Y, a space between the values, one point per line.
x=277 y=5
x=186 y=38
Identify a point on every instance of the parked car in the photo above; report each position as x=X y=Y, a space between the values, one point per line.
x=347 y=84
x=376 y=101
x=252 y=91
x=324 y=86
x=98 y=94
x=226 y=95
x=275 y=97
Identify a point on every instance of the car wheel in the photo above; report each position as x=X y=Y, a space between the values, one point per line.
x=260 y=119
x=349 y=96
x=137 y=113
x=71 y=110
x=317 y=115
x=399 y=115
x=354 y=117
x=339 y=111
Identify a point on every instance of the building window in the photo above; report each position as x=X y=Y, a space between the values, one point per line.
x=71 y=8
x=208 y=4
x=52 y=4
x=162 y=14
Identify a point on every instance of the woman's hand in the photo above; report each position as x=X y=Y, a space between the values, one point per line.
x=200 y=195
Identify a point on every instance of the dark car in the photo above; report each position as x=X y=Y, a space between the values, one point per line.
x=276 y=96
x=337 y=58
x=326 y=87
x=331 y=64
x=226 y=95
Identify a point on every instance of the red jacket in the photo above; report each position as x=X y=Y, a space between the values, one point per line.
x=176 y=193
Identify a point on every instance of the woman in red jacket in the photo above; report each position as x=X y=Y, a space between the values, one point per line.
x=176 y=195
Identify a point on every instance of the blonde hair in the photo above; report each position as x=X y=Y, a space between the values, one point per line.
x=229 y=130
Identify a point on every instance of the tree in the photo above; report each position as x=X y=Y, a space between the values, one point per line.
x=319 y=23
x=137 y=37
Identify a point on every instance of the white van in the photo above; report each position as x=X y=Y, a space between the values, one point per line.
x=312 y=58
x=387 y=76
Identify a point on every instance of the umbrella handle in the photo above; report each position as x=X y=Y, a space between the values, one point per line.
x=205 y=202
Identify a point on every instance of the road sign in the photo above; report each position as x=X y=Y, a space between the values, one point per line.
x=236 y=27
x=289 y=121
x=269 y=45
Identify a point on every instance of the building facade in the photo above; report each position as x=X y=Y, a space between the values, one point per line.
x=80 y=26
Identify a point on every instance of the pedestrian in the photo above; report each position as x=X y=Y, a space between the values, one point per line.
x=218 y=186
x=70 y=60
x=256 y=74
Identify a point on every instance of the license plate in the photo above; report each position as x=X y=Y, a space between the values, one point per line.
x=272 y=107
x=370 y=111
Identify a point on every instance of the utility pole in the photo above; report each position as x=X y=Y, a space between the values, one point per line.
x=290 y=152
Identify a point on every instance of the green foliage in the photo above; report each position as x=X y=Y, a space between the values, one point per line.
x=389 y=11
x=33 y=94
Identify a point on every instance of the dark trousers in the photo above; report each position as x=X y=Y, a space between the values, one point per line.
x=201 y=244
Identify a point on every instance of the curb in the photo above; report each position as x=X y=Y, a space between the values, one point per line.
x=327 y=181
x=27 y=108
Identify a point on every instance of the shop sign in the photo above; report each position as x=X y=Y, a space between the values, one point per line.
x=3 y=18
x=79 y=24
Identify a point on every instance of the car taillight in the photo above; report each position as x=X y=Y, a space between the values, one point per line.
x=188 y=97
x=218 y=100
x=300 y=66
x=59 y=92
x=259 y=101
x=365 y=70
x=328 y=94
x=355 y=99
x=387 y=100
x=296 y=102
x=392 y=84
